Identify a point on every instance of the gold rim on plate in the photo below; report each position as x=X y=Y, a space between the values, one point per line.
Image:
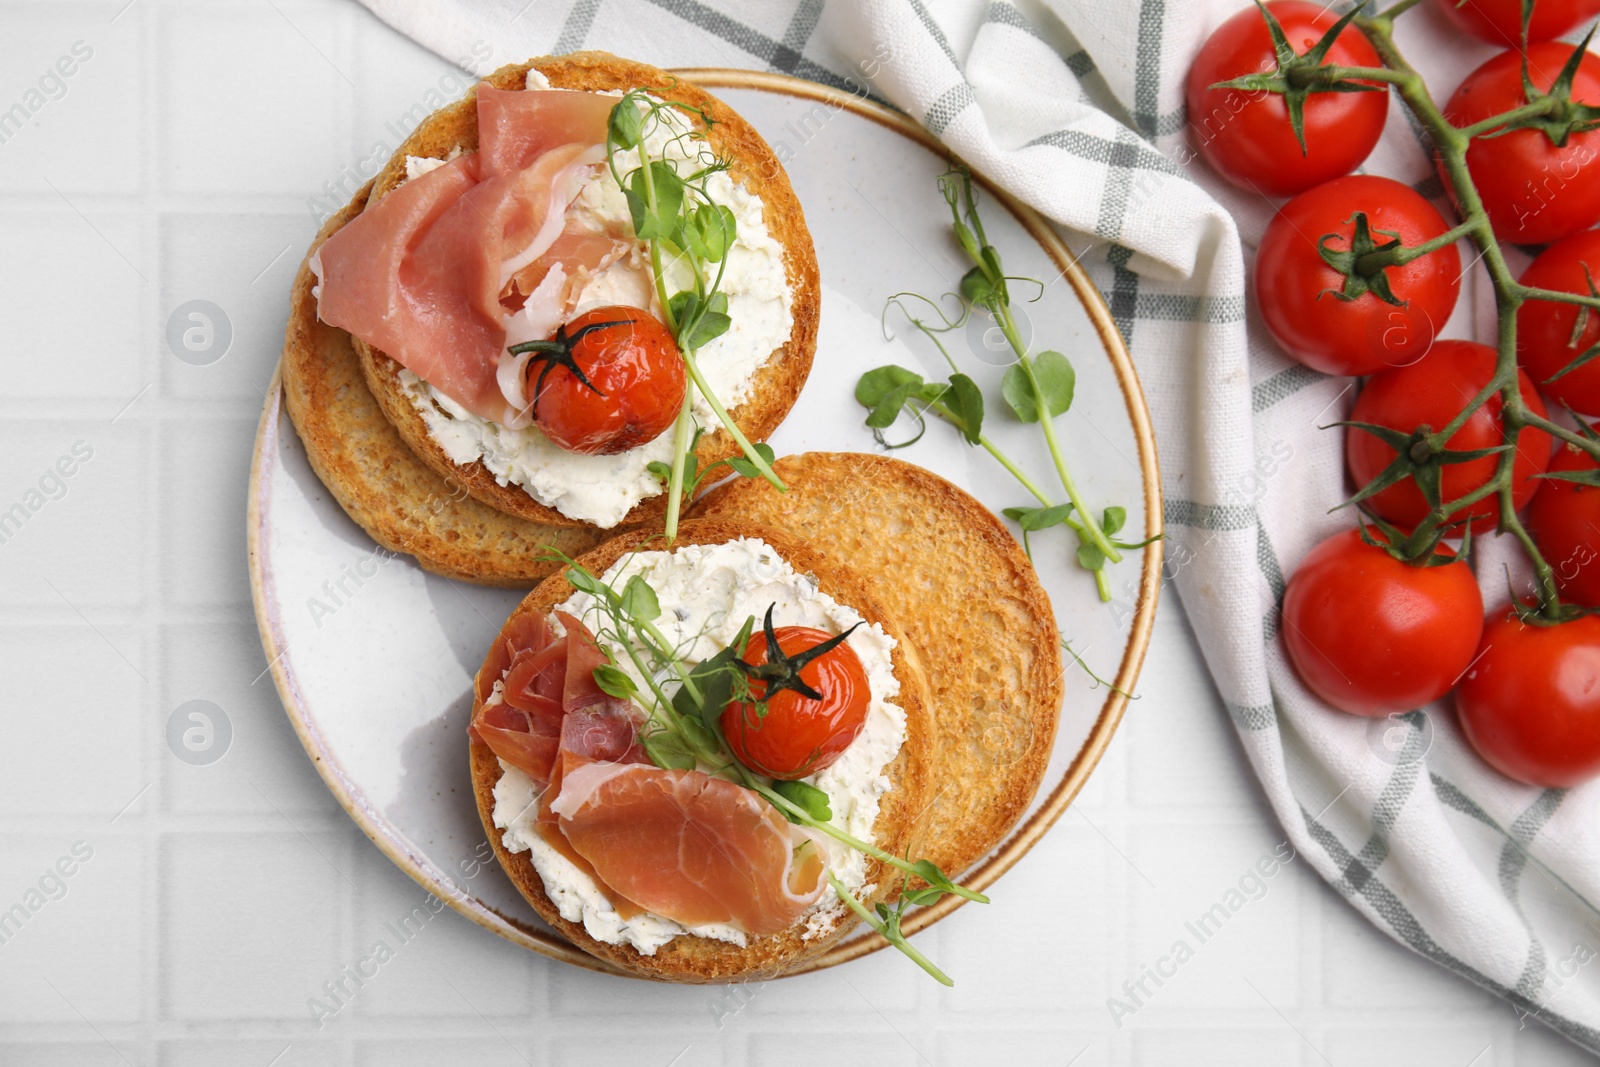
x=1021 y=839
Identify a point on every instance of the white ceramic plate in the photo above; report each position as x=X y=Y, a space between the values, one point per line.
x=374 y=657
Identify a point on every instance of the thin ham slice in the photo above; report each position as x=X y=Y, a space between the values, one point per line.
x=358 y=268
x=420 y=273
x=516 y=127
x=528 y=631
x=527 y=740
x=601 y=732
x=690 y=847
x=549 y=702
x=453 y=275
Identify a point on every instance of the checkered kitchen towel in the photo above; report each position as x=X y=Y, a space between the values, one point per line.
x=1076 y=106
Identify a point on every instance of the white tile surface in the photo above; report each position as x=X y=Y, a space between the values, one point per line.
x=186 y=154
x=74 y=501
x=252 y=96
x=265 y=769
x=252 y=924
x=73 y=340
x=80 y=952
x=106 y=702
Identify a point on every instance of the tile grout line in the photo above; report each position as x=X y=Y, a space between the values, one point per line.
x=152 y=433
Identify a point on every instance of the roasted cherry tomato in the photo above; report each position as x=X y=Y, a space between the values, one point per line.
x=1373 y=635
x=1530 y=703
x=610 y=380
x=1564 y=520
x=1552 y=335
x=1431 y=392
x=816 y=703
x=1246 y=134
x=1500 y=21
x=1340 y=323
x=1537 y=186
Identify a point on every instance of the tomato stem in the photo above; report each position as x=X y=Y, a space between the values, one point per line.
x=1451 y=144
x=1373 y=262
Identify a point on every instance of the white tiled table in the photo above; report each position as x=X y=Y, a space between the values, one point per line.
x=177 y=164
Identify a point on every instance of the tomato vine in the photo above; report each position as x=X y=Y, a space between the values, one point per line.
x=1451 y=143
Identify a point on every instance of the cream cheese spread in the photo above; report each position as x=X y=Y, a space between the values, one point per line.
x=706 y=593
x=603 y=489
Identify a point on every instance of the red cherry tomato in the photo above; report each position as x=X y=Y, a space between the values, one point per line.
x=799 y=736
x=1530 y=703
x=1297 y=291
x=1547 y=335
x=1246 y=135
x=1564 y=520
x=614 y=380
x=1534 y=190
x=1374 y=636
x=1500 y=21
x=1432 y=391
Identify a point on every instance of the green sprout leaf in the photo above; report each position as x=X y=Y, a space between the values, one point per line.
x=668 y=751
x=883 y=416
x=966 y=400
x=1114 y=519
x=700 y=320
x=979 y=288
x=639 y=600
x=878 y=383
x=1033 y=520
x=710 y=231
x=585 y=582
x=665 y=220
x=625 y=129
x=1056 y=380
x=808 y=797
x=748 y=469
x=614 y=682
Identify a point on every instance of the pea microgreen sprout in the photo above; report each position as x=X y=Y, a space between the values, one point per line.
x=694 y=476
x=684 y=729
x=1037 y=388
x=674 y=215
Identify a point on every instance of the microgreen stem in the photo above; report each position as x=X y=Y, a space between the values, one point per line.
x=1000 y=457
x=663 y=705
x=682 y=430
x=1008 y=326
x=656 y=269
x=900 y=943
x=728 y=424
x=799 y=814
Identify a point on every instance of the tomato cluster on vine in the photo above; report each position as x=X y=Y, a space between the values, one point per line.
x=1358 y=275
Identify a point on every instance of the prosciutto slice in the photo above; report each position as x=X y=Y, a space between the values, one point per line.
x=690 y=847
x=549 y=703
x=358 y=268
x=516 y=127
x=453 y=275
x=421 y=273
